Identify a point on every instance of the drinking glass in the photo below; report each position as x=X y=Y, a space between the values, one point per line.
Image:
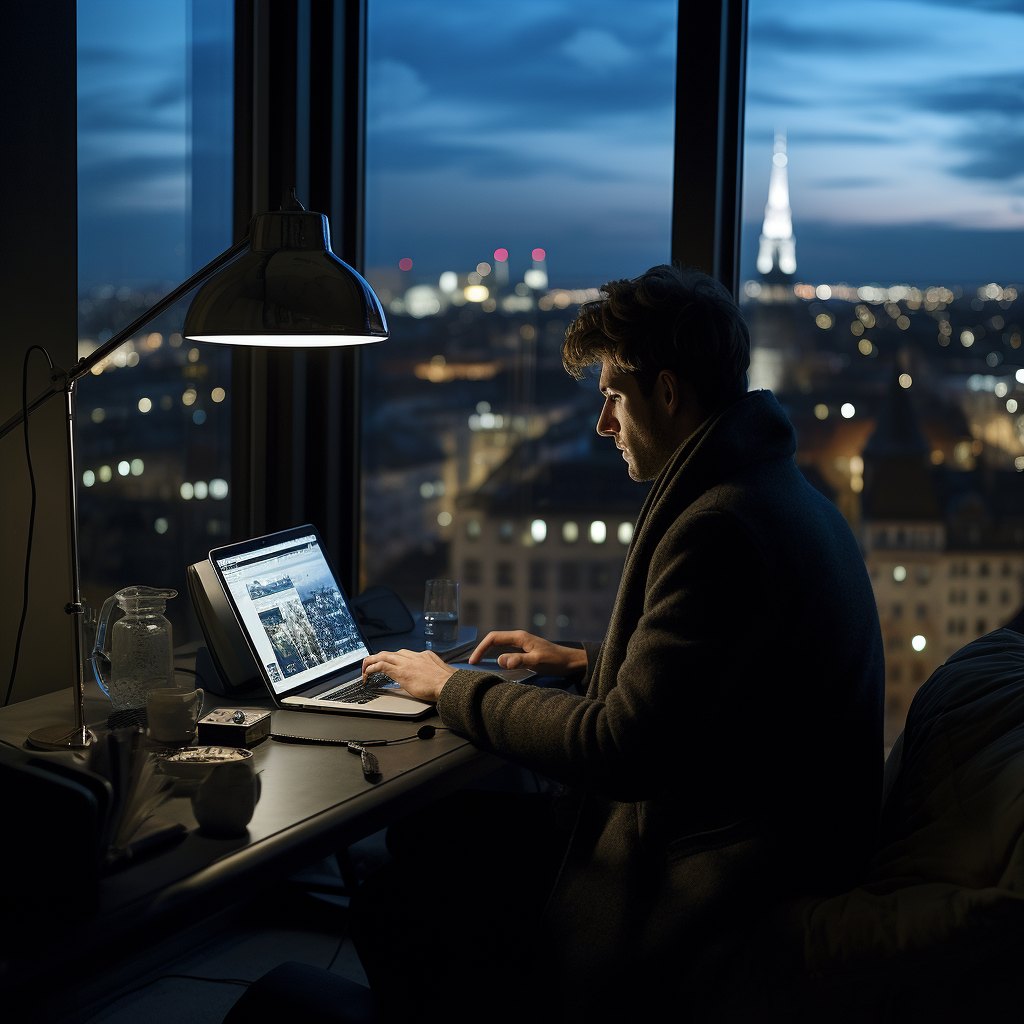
x=441 y=612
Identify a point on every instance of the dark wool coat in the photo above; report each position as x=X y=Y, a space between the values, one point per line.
x=728 y=750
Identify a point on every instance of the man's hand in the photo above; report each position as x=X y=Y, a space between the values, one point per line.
x=420 y=673
x=544 y=657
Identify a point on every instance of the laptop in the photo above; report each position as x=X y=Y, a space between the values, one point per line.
x=297 y=622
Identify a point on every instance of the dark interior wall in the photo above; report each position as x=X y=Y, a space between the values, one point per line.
x=38 y=296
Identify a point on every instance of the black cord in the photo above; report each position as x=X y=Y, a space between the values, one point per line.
x=153 y=981
x=32 y=511
x=337 y=952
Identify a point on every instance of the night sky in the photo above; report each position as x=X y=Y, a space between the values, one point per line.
x=550 y=123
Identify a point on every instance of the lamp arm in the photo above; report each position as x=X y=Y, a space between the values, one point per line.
x=62 y=380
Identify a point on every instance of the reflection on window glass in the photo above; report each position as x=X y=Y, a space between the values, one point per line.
x=154 y=200
x=518 y=157
x=882 y=268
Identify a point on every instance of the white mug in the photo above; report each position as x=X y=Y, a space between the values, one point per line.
x=172 y=713
x=226 y=799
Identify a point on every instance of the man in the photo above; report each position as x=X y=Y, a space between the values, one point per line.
x=726 y=749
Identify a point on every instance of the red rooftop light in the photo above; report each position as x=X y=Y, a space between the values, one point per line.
x=539 y=255
x=501 y=255
x=405 y=264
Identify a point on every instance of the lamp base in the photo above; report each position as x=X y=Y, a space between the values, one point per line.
x=60 y=737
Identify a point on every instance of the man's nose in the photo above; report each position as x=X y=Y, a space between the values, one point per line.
x=606 y=422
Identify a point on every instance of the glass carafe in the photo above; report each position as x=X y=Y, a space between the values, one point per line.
x=134 y=654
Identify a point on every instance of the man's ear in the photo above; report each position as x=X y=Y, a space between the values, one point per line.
x=678 y=399
x=667 y=391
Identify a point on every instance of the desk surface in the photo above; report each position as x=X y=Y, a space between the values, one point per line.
x=315 y=801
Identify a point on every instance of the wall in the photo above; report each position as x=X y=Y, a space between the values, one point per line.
x=38 y=296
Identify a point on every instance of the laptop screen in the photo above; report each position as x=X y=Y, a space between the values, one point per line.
x=293 y=610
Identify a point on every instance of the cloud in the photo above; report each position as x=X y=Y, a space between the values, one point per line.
x=993 y=145
x=1001 y=94
x=596 y=49
x=998 y=158
x=140 y=182
x=157 y=107
x=785 y=37
x=534 y=63
x=777 y=99
x=393 y=84
x=852 y=181
x=994 y=6
x=528 y=91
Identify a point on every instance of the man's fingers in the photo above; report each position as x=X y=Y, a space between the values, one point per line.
x=491 y=640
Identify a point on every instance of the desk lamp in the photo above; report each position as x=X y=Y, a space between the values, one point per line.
x=279 y=286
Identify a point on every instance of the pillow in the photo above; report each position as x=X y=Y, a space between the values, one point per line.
x=935 y=932
x=940 y=915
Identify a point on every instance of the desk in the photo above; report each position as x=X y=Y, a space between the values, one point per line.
x=314 y=802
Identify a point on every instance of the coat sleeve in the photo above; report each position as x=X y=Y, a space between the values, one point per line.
x=683 y=674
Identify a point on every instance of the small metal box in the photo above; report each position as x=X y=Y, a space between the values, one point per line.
x=234 y=727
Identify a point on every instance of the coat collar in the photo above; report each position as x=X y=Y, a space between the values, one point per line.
x=753 y=429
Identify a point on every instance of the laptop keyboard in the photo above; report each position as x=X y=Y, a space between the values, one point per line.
x=353 y=693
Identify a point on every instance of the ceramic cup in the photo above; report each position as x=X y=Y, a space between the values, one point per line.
x=172 y=713
x=226 y=799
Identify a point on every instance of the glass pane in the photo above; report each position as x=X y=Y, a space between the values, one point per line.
x=883 y=261
x=519 y=156
x=154 y=202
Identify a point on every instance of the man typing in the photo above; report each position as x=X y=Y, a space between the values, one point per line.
x=720 y=750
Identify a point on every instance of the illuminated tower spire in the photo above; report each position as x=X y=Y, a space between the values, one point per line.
x=776 y=258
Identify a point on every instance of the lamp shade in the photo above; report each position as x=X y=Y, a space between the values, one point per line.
x=288 y=289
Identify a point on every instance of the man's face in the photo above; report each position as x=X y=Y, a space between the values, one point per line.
x=634 y=422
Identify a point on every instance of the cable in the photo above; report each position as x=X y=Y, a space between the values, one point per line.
x=153 y=981
x=337 y=952
x=32 y=512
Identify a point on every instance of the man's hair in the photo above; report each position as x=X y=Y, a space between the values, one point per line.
x=666 y=319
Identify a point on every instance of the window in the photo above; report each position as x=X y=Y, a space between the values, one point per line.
x=877 y=231
x=471 y=570
x=505 y=574
x=538 y=575
x=491 y=142
x=154 y=205
x=504 y=615
x=568 y=576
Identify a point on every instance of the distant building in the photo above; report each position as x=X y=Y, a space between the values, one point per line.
x=540 y=545
x=776 y=254
x=945 y=557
